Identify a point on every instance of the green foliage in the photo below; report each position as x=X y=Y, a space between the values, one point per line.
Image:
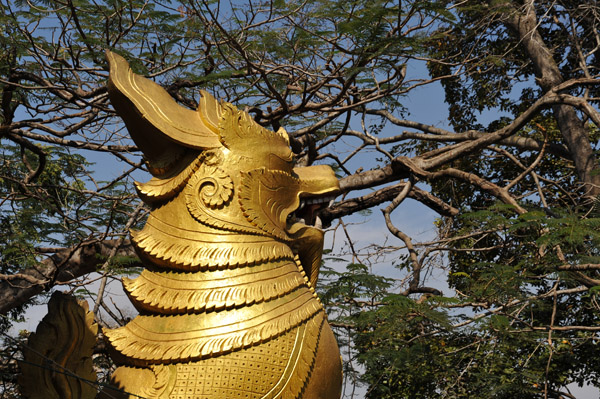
x=436 y=348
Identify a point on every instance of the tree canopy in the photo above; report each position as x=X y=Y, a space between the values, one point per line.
x=514 y=313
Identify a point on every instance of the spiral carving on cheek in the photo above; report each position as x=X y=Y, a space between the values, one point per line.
x=210 y=193
x=209 y=187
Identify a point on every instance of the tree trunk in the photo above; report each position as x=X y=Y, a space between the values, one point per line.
x=523 y=21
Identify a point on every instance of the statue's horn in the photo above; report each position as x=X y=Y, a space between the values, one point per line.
x=158 y=125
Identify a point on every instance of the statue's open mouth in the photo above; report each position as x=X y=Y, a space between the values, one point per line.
x=318 y=186
x=308 y=210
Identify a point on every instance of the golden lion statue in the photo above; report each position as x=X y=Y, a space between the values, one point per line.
x=227 y=301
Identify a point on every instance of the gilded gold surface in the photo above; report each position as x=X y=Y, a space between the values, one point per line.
x=278 y=368
x=227 y=303
x=171 y=292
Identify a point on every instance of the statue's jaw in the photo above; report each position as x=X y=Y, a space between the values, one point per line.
x=308 y=245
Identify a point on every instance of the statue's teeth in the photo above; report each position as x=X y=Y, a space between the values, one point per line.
x=322 y=200
x=318 y=223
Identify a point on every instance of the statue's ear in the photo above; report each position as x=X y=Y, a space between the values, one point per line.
x=159 y=126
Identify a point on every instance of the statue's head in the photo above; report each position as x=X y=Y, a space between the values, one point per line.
x=233 y=174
